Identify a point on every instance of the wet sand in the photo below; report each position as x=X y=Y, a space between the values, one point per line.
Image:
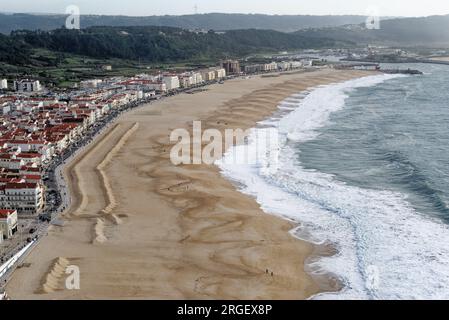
x=141 y=228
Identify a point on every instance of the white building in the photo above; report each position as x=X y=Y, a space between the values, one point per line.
x=187 y=81
x=198 y=77
x=296 y=64
x=3 y=84
x=8 y=223
x=284 y=65
x=220 y=73
x=157 y=86
x=10 y=162
x=27 y=85
x=26 y=198
x=171 y=82
x=307 y=63
x=208 y=75
x=270 y=67
x=91 y=84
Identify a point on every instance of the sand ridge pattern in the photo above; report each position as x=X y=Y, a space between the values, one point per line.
x=188 y=233
x=54 y=279
x=99 y=236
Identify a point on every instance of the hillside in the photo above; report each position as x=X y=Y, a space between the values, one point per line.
x=215 y=21
x=156 y=44
x=428 y=31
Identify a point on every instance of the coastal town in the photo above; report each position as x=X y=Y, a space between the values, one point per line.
x=41 y=129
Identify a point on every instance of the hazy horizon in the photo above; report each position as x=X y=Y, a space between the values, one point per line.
x=391 y=8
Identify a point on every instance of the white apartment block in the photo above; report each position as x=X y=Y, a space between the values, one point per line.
x=26 y=198
x=198 y=77
x=171 y=82
x=158 y=87
x=220 y=73
x=91 y=84
x=10 y=162
x=296 y=64
x=283 y=65
x=26 y=85
x=187 y=81
x=208 y=75
x=3 y=84
x=270 y=66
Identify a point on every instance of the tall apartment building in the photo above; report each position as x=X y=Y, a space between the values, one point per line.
x=3 y=84
x=27 y=85
x=171 y=82
x=208 y=75
x=26 y=198
x=231 y=66
x=220 y=73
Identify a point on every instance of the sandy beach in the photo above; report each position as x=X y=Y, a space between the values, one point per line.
x=141 y=228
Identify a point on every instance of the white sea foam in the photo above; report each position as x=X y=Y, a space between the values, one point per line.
x=387 y=250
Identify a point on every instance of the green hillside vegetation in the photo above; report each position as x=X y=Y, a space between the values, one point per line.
x=167 y=44
x=158 y=44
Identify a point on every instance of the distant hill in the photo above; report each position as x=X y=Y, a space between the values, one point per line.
x=215 y=21
x=154 y=44
x=430 y=31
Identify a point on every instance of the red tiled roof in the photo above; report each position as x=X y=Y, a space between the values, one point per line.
x=25 y=185
x=5 y=213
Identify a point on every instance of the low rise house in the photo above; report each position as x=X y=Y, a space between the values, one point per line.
x=8 y=223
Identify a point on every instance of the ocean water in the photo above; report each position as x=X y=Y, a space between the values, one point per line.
x=362 y=165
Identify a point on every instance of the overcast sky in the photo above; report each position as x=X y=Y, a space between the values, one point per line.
x=162 y=7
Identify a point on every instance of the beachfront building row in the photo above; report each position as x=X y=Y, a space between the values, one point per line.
x=167 y=82
x=34 y=130
x=213 y=74
x=273 y=66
